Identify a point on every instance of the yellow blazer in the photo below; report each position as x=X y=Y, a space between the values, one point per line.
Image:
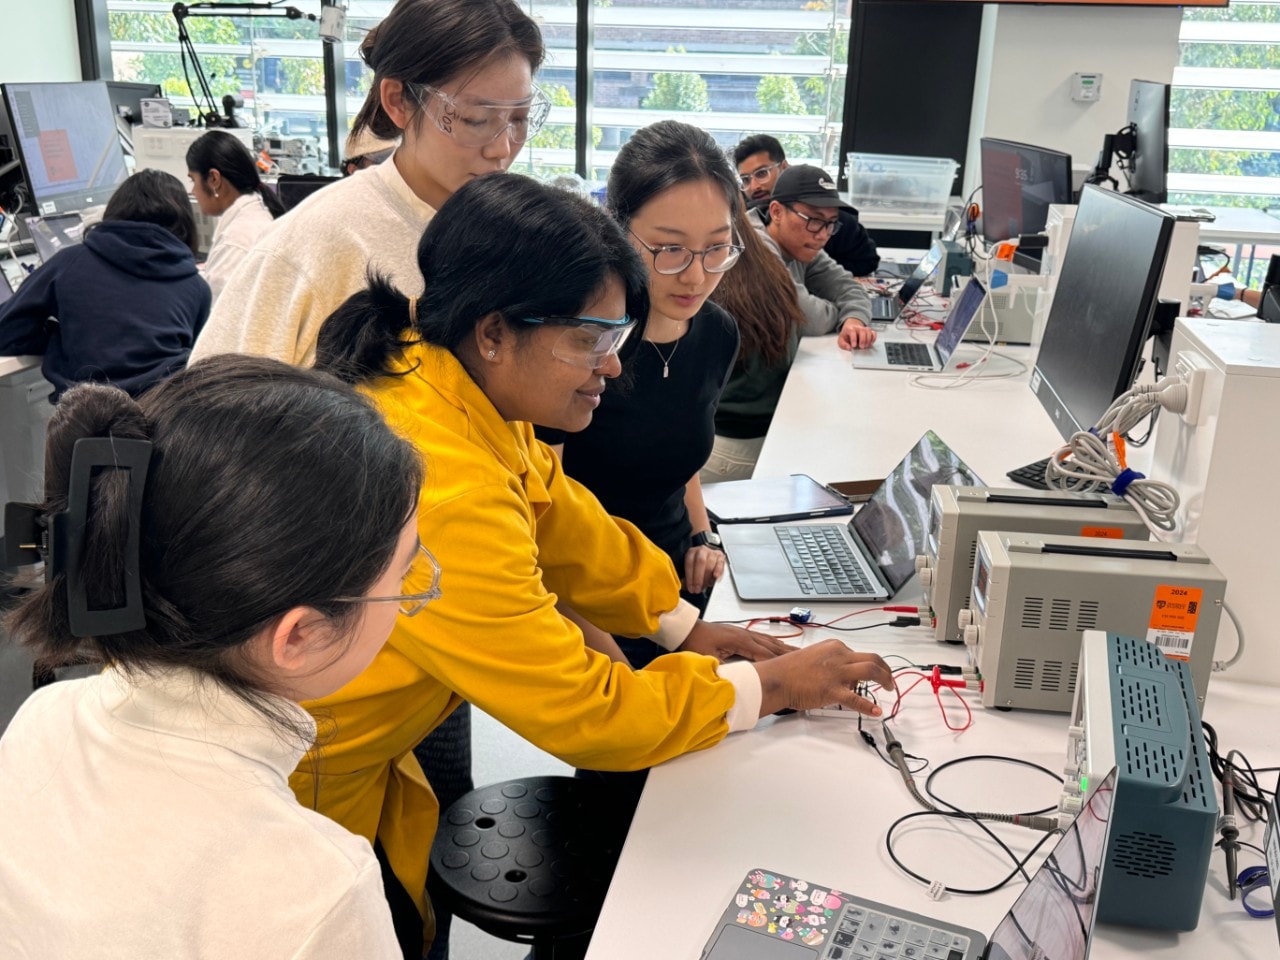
x=513 y=534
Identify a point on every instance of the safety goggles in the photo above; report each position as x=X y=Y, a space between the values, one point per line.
x=424 y=571
x=587 y=341
x=476 y=122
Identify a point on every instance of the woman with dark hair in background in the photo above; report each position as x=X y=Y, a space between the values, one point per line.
x=524 y=329
x=673 y=192
x=761 y=296
x=127 y=303
x=454 y=80
x=226 y=185
x=145 y=811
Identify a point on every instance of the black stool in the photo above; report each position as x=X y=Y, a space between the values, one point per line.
x=529 y=860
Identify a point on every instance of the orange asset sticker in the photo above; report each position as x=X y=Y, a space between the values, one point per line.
x=1174 y=614
x=1107 y=533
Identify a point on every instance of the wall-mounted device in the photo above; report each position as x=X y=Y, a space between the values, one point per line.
x=956 y=514
x=1218 y=460
x=1136 y=710
x=1033 y=595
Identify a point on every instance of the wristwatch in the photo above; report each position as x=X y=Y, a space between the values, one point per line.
x=707 y=538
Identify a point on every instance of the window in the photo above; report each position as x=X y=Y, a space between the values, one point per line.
x=1224 y=124
x=733 y=67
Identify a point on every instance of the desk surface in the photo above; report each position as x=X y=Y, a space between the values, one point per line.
x=805 y=796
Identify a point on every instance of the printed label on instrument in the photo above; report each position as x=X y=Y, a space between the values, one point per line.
x=1174 y=614
x=1106 y=533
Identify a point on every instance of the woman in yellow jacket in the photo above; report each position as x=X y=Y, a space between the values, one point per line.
x=529 y=294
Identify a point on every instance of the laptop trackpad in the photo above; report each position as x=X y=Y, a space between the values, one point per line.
x=742 y=943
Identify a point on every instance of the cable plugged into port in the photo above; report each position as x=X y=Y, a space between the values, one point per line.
x=1191 y=369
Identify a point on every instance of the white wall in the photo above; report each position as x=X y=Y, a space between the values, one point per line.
x=1027 y=55
x=40 y=41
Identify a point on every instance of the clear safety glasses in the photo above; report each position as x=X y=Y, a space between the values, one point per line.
x=587 y=341
x=475 y=122
x=670 y=258
x=423 y=578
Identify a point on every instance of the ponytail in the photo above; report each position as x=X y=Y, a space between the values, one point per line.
x=359 y=339
x=86 y=412
x=270 y=200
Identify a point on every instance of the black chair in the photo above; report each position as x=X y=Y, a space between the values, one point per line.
x=529 y=861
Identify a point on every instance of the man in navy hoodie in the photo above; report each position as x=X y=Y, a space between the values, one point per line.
x=123 y=307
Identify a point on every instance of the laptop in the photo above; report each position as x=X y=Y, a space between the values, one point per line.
x=888 y=306
x=53 y=233
x=867 y=559
x=897 y=351
x=776 y=917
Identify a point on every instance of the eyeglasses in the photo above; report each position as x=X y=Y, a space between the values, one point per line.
x=424 y=569
x=817 y=224
x=760 y=173
x=670 y=259
x=475 y=122
x=587 y=341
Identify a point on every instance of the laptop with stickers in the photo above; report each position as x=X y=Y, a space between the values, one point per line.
x=776 y=917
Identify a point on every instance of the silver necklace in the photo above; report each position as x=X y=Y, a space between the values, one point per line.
x=666 y=360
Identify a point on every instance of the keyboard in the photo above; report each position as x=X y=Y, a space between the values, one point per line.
x=904 y=354
x=863 y=933
x=822 y=561
x=885 y=308
x=1032 y=475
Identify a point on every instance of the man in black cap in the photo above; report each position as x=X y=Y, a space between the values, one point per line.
x=760 y=161
x=800 y=217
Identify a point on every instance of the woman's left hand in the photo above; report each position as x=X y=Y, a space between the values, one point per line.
x=723 y=640
x=703 y=566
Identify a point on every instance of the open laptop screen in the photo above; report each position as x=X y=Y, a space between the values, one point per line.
x=1053 y=917
x=963 y=310
x=892 y=523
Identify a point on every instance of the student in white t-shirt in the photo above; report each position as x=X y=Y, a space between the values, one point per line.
x=250 y=538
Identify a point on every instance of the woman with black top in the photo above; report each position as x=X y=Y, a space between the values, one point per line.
x=673 y=190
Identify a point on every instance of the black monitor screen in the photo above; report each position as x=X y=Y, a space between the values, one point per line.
x=67 y=142
x=1102 y=307
x=1149 y=117
x=126 y=98
x=1019 y=182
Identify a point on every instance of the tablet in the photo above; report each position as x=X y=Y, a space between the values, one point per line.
x=773 y=500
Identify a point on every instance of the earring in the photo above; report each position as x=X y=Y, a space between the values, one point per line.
x=215 y=194
x=491 y=354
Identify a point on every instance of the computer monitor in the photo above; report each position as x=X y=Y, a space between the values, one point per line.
x=1019 y=182
x=1107 y=289
x=1149 y=118
x=66 y=138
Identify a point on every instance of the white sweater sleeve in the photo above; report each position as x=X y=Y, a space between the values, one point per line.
x=358 y=926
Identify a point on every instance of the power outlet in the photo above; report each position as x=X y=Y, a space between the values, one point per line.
x=1191 y=369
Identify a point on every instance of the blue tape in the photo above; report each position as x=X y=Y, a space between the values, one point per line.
x=999 y=279
x=1123 y=480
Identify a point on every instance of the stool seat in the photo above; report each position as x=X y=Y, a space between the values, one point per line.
x=528 y=860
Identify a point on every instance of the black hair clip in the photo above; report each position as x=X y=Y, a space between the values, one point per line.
x=58 y=539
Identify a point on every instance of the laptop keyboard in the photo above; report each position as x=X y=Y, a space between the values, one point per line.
x=905 y=354
x=822 y=561
x=864 y=934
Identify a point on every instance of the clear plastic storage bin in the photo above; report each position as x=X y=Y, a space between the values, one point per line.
x=907 y=185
